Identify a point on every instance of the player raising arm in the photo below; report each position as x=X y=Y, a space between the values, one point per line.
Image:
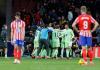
x=84 y=22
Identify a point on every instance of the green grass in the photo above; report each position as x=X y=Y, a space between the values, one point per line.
x=46 y=64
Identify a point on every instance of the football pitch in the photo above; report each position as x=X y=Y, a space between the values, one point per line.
x=46 y=64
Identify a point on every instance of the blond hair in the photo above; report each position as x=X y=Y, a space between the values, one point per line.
x=83 y=9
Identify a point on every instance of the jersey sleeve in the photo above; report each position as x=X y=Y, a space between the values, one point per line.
x=77 y=20
x=39 y=28
x=50 y=30
x=11 y=26
x=23 y=28
x=92 y=19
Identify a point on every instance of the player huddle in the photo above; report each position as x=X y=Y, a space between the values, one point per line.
x=59 y=37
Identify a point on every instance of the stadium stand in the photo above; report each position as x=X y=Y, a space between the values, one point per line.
x=53 y=12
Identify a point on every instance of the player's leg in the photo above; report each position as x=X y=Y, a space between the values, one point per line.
x=20 y=44
x=84 y=50
x=34 y=53
x=53 y=53
x=40 y=54
x=67 y=49
x=15 y=53
x=56 y=52
x=70 y=49
x=43 y=53
x=90 y=51
x=22 y=51
x=90 y=54
x=62 y=52
x=17 y=50
x=50 y=46
x=56 y=49
x=53 y=47
x=67 y=52
x=46 y=44
x=39 y=48
x=5 y=49
x=62 y=49
x=36 y=45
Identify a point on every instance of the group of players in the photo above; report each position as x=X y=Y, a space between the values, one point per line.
x=41 y=41
x=59 y=38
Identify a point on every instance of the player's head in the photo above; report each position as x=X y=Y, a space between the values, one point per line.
x=50 y=25
x=83 y=9
x=66 y=26
x=42 y=25
x=17 y=15
x=57 y=26
x=31 y=32
x=5 y=26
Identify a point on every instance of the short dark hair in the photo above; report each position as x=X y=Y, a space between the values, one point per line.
x=17 y=14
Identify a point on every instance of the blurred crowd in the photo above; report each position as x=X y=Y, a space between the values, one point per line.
x=52 y=13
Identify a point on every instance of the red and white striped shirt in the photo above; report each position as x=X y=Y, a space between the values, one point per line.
x=84 y=22
x=18 y=30
x=86 y=33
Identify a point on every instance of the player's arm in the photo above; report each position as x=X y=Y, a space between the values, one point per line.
x=63 y=33
x=23 y=30
x=74 y=25
x=72 y=34
x=39 y=28
x=50 y=30
x=39 y=35
x=96 y=24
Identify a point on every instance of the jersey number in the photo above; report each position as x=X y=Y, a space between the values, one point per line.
x=85 y=24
